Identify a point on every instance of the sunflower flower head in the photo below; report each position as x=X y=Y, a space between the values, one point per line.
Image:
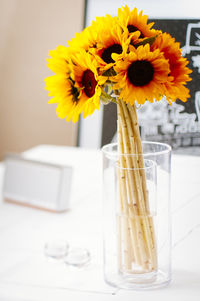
x=74 y=86
x=86 y=39
x=179 y=72
x=60 y=58
x=134 y=22
x=87 y=80
x=141 y=74
x=111 y=40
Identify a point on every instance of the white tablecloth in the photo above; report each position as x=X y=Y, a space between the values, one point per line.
x=25 y=273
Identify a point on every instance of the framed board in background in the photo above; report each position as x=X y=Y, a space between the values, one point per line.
x=179 y=124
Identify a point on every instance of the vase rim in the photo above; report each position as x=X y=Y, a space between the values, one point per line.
x=167 y=149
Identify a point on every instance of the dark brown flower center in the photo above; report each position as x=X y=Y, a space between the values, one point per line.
x=132 y=28
x=106 y=55
x=140 y=73
x=89 y=83
x=75 y=93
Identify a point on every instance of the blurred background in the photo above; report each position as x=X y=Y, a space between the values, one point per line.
x=28 y=30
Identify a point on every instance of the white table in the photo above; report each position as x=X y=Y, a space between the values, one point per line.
x=25 y=273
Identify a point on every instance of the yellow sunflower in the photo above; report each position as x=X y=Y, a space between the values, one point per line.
x=61 y=86
x=60 y=58
x=66 y=95
x=74 y=87
x=110 y=40
x=179 y=73
x=86 y=39
x=87 y=81
x=141 y=74
x=135 y=22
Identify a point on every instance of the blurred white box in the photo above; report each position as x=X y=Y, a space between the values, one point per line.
x=37 y=184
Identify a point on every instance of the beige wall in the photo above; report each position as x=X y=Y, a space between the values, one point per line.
x=28 y=30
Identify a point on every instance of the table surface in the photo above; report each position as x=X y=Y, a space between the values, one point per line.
x=25 y=273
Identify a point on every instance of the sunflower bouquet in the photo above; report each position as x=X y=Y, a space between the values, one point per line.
x=123 y=60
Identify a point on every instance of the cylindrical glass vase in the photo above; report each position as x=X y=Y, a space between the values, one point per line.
x=137 y=228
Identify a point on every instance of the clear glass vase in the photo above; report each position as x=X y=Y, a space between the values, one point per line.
x=137 y=233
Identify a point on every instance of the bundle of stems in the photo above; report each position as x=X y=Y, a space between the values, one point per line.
x=136 y=236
